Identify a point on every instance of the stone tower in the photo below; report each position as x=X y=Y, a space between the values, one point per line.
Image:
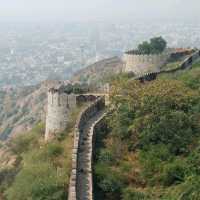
x=141 y=64
x=58 y=110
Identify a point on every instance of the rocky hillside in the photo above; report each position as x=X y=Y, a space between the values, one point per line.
x=99 y=71
x=22 y=108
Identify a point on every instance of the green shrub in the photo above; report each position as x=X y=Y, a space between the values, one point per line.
x=173 y=173
x=132 y=194
x=193 y=161
x=159 y=151
x=22 y=143
x=190 y=190
x=6 y=177
x=61 y=136
x=174 y=129
x=108 y=180
x=111 y=184
x=191 y=78
x=54 y=150
x=152 y=161
x=105 y=156
x=42 y=182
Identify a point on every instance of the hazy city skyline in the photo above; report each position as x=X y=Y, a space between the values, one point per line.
x=84 y=10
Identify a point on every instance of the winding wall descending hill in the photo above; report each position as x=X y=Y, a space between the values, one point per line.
x=80 y=187
x=186 y=64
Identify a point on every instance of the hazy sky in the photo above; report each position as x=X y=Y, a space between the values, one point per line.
x=71 y=10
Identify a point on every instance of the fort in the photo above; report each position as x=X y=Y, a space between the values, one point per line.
x=140 y=64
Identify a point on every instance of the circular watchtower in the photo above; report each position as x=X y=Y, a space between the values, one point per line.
x=144 y=63
x=58 y=109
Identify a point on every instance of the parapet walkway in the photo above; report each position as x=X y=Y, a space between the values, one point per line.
x=84 y=159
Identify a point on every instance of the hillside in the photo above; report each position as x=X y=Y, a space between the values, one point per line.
x=22 y=108
x=151 y=148
x=99 y=71
x=32 y=168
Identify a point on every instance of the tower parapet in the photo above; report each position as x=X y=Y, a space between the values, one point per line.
x=58 y=110
x=144 y=63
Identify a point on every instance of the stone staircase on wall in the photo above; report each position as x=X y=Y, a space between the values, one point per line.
x=81 y=186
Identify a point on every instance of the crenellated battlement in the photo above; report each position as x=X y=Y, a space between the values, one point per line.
x=141 y=64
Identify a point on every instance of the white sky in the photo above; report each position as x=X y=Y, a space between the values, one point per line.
x=97 y=9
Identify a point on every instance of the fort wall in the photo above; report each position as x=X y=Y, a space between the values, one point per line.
x=186 y=64
x=82 y=120
x=140 y=64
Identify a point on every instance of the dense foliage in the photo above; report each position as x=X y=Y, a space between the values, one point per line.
x=44 y=168
x=152 y=150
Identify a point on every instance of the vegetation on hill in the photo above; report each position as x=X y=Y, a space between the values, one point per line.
x=97 y=73
x=43 y=169
x=155 y=46
x=151 y=150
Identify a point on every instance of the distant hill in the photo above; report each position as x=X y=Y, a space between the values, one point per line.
x=99 y=71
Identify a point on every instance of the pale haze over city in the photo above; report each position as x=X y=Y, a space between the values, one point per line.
x=68 y=10
x=53 y=39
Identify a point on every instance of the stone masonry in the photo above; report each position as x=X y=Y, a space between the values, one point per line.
x=58 y=110
x=141 y=64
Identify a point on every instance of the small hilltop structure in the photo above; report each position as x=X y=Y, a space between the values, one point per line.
x=144 y=63
x=151 y=56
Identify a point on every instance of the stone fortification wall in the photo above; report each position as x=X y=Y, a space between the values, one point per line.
x=186 y=64
x=141 y=64
x=83 y=98
x=58 y=110
x=82 y=120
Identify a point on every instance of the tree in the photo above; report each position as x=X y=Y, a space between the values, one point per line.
x=144 y=48
x=155 y=46
x=158 y=45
